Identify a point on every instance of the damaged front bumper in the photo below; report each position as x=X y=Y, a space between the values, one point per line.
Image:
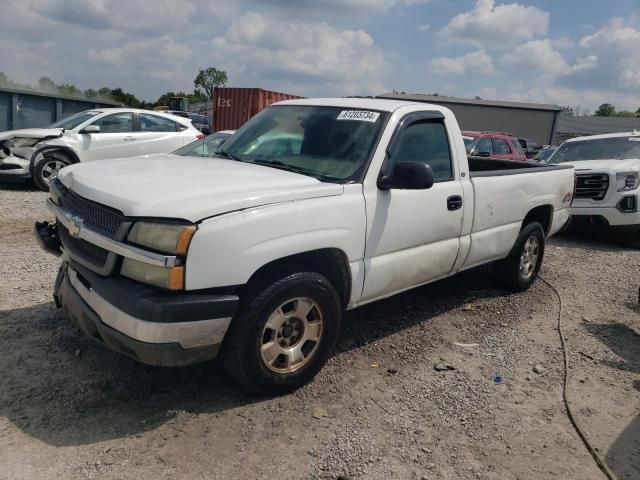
x=14 y=169
x=151 y=326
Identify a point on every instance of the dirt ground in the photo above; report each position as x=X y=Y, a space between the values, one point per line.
x=69 y=408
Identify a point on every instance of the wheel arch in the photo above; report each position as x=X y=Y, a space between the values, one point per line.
x=332 y=263
x=542 y=214
x=72 y=155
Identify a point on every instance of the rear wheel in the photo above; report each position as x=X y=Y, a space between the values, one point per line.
x=284 y=334
x=519 y=270
x=47 y=166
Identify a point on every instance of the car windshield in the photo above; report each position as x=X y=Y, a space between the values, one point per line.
x=468 y=142
x=203 y=148
x=543 y=155
x=330 y=143
x=618 y=148
x=74 y=120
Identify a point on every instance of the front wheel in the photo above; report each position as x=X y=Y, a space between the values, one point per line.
x=47 y=166
x=284 y=334
x=519 y=270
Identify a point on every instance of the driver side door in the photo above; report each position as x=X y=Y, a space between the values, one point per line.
x=413 y=236
x=114 y=140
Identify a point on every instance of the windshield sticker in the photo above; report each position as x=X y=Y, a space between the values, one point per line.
x=359 y=115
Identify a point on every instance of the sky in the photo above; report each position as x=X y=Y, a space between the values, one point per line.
x=578 y=53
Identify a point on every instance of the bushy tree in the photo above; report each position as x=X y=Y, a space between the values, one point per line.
x=605 y=110
x=210 y=78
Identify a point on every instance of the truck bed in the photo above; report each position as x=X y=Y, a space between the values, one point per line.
x=482 y=167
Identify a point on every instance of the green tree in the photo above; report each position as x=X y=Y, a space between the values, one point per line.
x=210 y=78
x=5 y=80
x=568 y=111
x=625 y=113
x=45 y=83
x=90 y=93
x=605 y=110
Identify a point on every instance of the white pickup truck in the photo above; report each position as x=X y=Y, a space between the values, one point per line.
x=313 y=207
x=607 y=181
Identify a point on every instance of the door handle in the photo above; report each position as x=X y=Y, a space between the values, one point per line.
x=454 y=202
x=129 y=139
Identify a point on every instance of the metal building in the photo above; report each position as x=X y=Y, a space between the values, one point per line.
x=580 y=126
x=525 y=120
x=30 y=109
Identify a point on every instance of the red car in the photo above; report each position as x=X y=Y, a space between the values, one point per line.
x=496 y=145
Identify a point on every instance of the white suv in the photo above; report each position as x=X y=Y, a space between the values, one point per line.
x=607 y=181
x=39 y=153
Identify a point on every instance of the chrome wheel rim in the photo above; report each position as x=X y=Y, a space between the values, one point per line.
x=291 y=336
x=50 y=169
x=529 y=257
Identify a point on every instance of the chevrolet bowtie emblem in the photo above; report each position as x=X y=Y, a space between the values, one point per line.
x=75 y=226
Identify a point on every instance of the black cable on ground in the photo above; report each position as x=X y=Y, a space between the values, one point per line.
x=598 y=459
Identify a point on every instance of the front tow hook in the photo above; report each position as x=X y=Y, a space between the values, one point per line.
x=47 y=236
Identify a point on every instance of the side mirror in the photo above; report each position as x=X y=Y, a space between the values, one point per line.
x=482 y=154
x=91 y=129
x=408 y=176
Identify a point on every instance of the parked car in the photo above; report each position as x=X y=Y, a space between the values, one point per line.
x=201 y=122
x=529 y=147
x=607 y=180
x=543 y=155
x=205 y=147
x=496 y=145
x=39 y=153
x=256 y=254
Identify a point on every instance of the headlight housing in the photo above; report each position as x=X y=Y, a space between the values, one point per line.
x=627 y=181
x=24 y=142
x=169 y=238
x=171 y=278
x=164 y=237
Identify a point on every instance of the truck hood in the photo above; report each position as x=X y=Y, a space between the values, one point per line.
x=615 y=165
x=189 y=188
x=41 y=133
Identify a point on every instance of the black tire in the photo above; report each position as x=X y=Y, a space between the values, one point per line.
x=508 y=271
x=42 y=168
x=243 y=343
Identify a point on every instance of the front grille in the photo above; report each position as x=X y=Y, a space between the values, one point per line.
x=86 y=251
x=592 y=185
x=97 y=217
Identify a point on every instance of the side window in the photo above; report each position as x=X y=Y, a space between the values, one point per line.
x=485 y=145
x=500 y=147
x=115 y=123
x=425 y=142
x=154 y=123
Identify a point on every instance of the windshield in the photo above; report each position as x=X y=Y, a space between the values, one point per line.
x=74 y=120
x=330 y=143
x=468 y=142
x=543 y=155
x=203 y=148
x=618 y=148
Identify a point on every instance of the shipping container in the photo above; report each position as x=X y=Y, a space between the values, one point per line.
x=234 y=106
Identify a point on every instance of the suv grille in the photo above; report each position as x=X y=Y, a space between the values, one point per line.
x=97 y=217
x=592 y=185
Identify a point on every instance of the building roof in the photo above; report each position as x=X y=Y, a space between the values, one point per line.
x=584 y=125
x=75 y=98
x=438 y=99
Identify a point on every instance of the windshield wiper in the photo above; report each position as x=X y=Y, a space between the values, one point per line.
x=226 y=154
x=283 y=166
x=294 y=169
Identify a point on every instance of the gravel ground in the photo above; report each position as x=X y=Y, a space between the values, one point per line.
x=71 y=409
